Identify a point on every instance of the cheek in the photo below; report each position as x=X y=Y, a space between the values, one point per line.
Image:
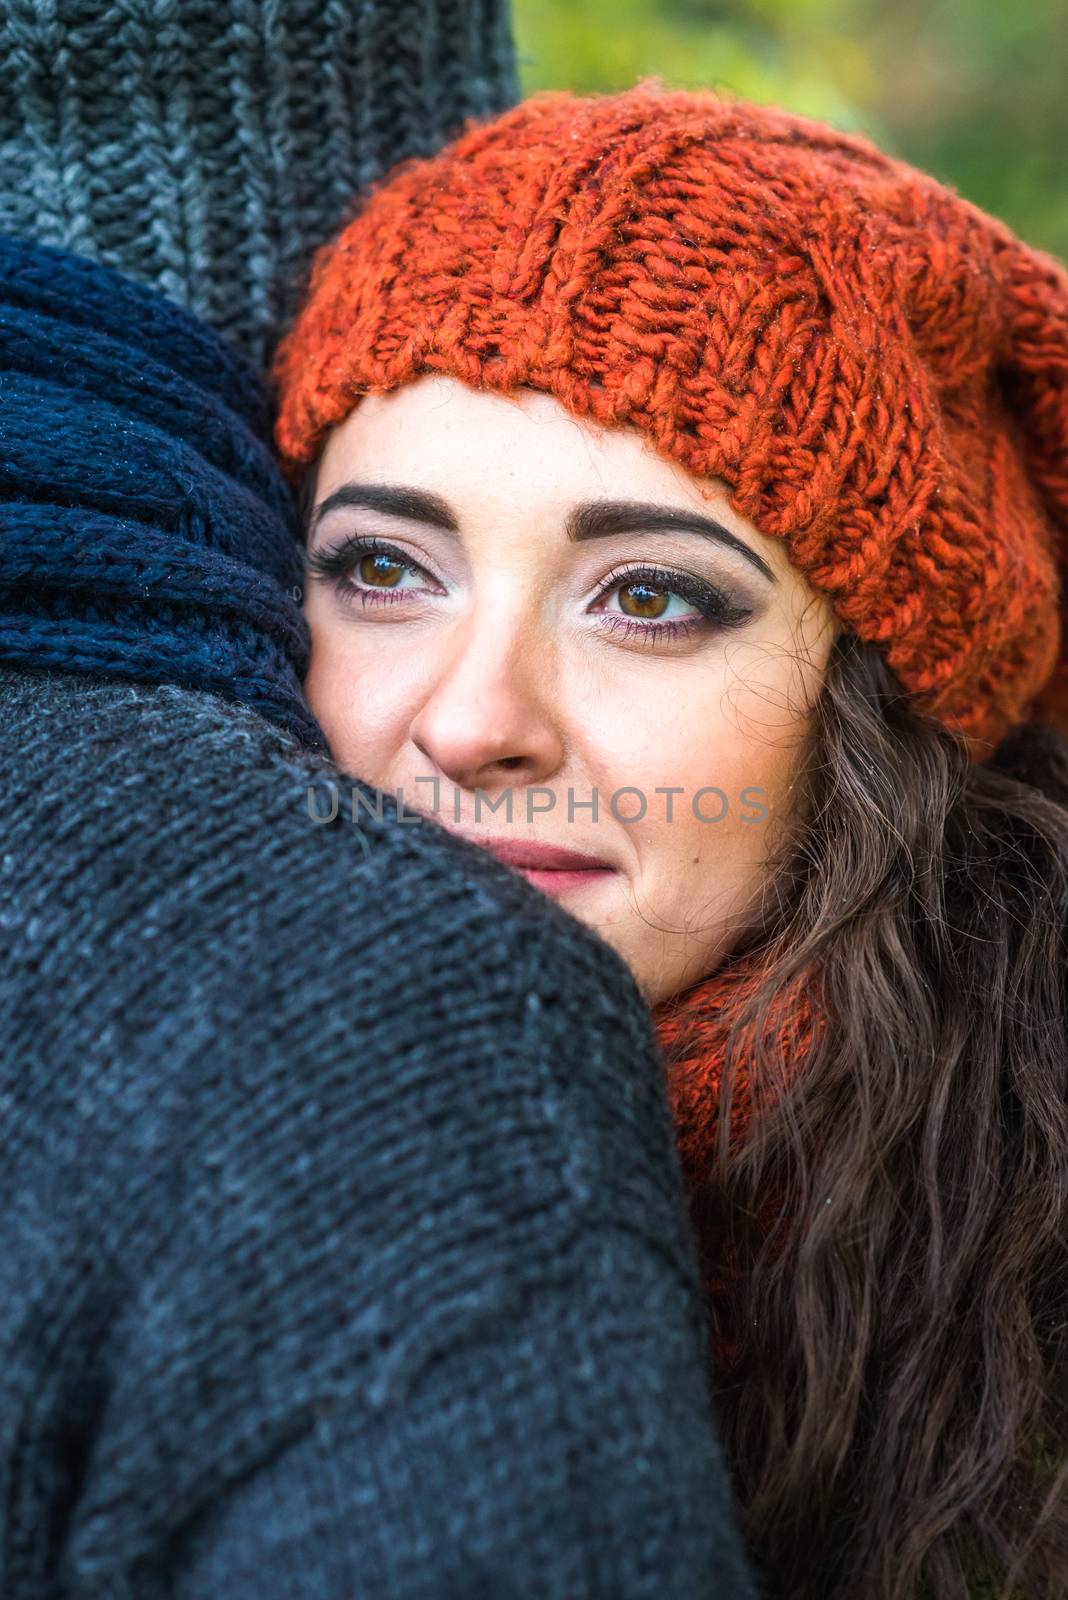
x=364 y=699
x=734 y=767
x=696 y=886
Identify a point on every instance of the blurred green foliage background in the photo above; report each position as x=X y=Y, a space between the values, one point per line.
x=974 y=92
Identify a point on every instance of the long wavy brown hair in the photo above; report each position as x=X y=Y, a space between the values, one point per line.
x=895 y=1408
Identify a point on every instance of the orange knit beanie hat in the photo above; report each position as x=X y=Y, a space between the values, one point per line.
x=876 y=368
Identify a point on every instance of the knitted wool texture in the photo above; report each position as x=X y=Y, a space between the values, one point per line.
x=147 y=531
x=206 y=147
x=876 y=368
x=696 y=1031
x=345 y=1249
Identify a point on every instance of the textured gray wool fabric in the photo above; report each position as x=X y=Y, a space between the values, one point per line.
x=345 y=1248
x=206 y=147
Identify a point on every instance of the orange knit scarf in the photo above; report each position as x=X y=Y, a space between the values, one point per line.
x=693 y=1030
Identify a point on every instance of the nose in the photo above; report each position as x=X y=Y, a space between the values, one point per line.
x=488 y=719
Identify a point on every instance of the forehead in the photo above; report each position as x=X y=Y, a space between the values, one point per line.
x=514 y=458
x=437 y=425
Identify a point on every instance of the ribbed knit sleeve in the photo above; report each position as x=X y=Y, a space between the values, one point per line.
x=207 y=147
x=345 y=1248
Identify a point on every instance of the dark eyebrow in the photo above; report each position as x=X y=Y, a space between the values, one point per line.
x=598 y=519
x=412 y=504
x=602 y=518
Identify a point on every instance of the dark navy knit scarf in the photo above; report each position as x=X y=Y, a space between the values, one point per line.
x=147 y=533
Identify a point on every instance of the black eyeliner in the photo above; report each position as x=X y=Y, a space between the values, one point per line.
x=711 y=602
x=337 y=561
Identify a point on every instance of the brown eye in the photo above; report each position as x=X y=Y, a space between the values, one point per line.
x=643 y=600
x=380 y=571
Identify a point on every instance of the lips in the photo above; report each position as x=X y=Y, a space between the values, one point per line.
x=549 y=867
x=541 y=857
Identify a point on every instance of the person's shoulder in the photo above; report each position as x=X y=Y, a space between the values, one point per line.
x=197 y=960
x=158 y=775
x=179 y=861
x=219 y=811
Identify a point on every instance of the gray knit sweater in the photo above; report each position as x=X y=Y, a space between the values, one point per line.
x=206 y=147
x=345 y=1247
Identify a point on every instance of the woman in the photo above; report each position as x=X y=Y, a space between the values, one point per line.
x=658 y=443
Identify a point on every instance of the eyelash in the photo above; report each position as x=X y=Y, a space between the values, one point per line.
x=336 y=563
x=714 y=607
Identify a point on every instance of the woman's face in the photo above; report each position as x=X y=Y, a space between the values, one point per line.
x=530 y=626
